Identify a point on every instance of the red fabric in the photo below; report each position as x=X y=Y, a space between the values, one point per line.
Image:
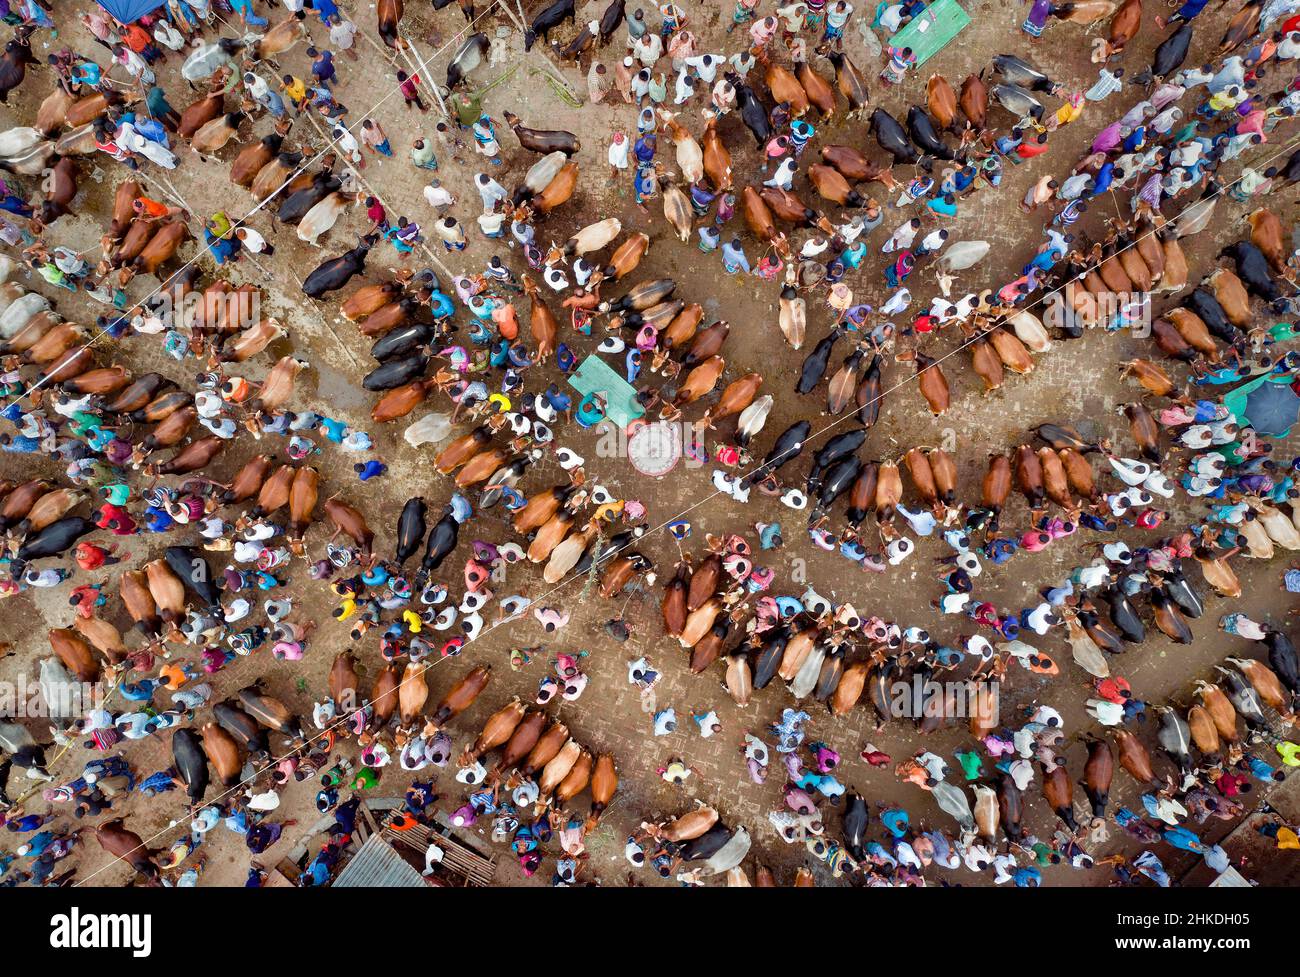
x=90 y=556
x=136 y=38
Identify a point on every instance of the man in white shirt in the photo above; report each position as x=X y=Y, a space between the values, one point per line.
x=724 y=97
x=902 y=238
x=438 y=196
x=342 y=35
x=933 y=242
x=433 y=856
x=784 y=176
x=491 y=222
x=256 y=85
x=685 y=86
x=490 y=191
x=648 y=49
x=254 y=242
x=618 y=153
x=705 y=66
x=1073 y=186
x=135 y=65
x=347 y=144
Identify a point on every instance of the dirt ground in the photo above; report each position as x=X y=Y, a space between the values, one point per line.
x=1075 y=382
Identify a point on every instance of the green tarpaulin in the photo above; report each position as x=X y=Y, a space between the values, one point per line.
x=596 y=376
x=928 y=33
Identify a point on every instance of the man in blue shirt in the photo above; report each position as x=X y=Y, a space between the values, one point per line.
x=733 y=257
x=322 y=66
x=327 y=9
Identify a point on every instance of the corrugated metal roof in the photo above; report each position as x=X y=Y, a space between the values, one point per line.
x=377 y=865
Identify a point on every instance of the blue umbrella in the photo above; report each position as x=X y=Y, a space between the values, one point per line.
x=1272 y=408
x=129 y=11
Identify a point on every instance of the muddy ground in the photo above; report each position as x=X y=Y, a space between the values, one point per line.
x=1077 y=382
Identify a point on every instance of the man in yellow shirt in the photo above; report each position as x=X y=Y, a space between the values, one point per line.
x=1221 y=101
x=295 y=89
x=220 y=224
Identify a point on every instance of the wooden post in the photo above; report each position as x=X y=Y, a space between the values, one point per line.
x=518 y=20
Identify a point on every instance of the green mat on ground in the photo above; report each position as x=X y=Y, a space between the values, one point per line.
x=596 y=376
x=927 y=34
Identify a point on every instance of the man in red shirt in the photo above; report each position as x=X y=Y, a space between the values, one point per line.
x=925 y=323
x=151 y=210
x=376 y=214
x=410 y=91
x=1231 y=785
x=92 y=557
x=116 y=519
x=1031 y=148
x=141 y=42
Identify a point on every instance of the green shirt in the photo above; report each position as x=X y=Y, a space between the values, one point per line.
x=365 y=779
x=83 y=423
x=220 y=224
x=52 y=274
x=100 y=473
x=423 y=154
x=1283 y=331
x=970 y=764
x=1233 y=453
x=157 y=102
